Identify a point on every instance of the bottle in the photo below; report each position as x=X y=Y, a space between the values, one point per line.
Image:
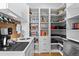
x=30 y=12
x=1 y=19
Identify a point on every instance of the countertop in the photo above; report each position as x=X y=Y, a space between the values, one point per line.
x=20 y=45
x=18 y=49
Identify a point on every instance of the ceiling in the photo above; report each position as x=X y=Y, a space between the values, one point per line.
x=11 y=14
x=31 y=5
x=46 y=5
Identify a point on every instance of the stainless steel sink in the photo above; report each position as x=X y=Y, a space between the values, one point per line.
x=19 y=46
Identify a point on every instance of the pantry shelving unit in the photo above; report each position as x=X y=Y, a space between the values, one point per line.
x=46 y=18
x=34 y=27
x=44 y=39
x=58 y=29
x=44 y=22
x=73 y=28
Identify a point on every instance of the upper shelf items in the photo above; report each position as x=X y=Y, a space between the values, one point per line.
x=34 y=12
x=44 y=22
x=44 y=12
x=34 y=22
x=8 y=19
x=57 y=15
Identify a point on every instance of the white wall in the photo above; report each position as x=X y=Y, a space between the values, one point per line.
x=25 y=29
x=72 y=10
x=20 y=9
x=3 y=5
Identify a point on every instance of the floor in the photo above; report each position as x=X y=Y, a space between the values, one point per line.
x=47 y=54
x=71 y=48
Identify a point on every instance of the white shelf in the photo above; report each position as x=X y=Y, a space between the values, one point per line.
x=35 y=36
x=58 y=29
x=33 y=30
x=44 y=14
x=64 y=38
x=58 y=37
x=33 y=15
x=36 y=51
x=34 y=23
x=44 y=22
x=73 y=35
x=70 y=38
x=57 y=51
x=73 y=17
x=36 y=44
x=45 y=29
x=60 y=44
x=54 y=43
x=61 y=53
x=43 y=36
x=58 y=14
x=59 y=21
x=75 y=30
x=57 y=44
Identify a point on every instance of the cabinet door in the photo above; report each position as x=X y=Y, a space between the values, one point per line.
x=44 y=39
x=44 y=44
x=44 y=47
x=30 y=49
